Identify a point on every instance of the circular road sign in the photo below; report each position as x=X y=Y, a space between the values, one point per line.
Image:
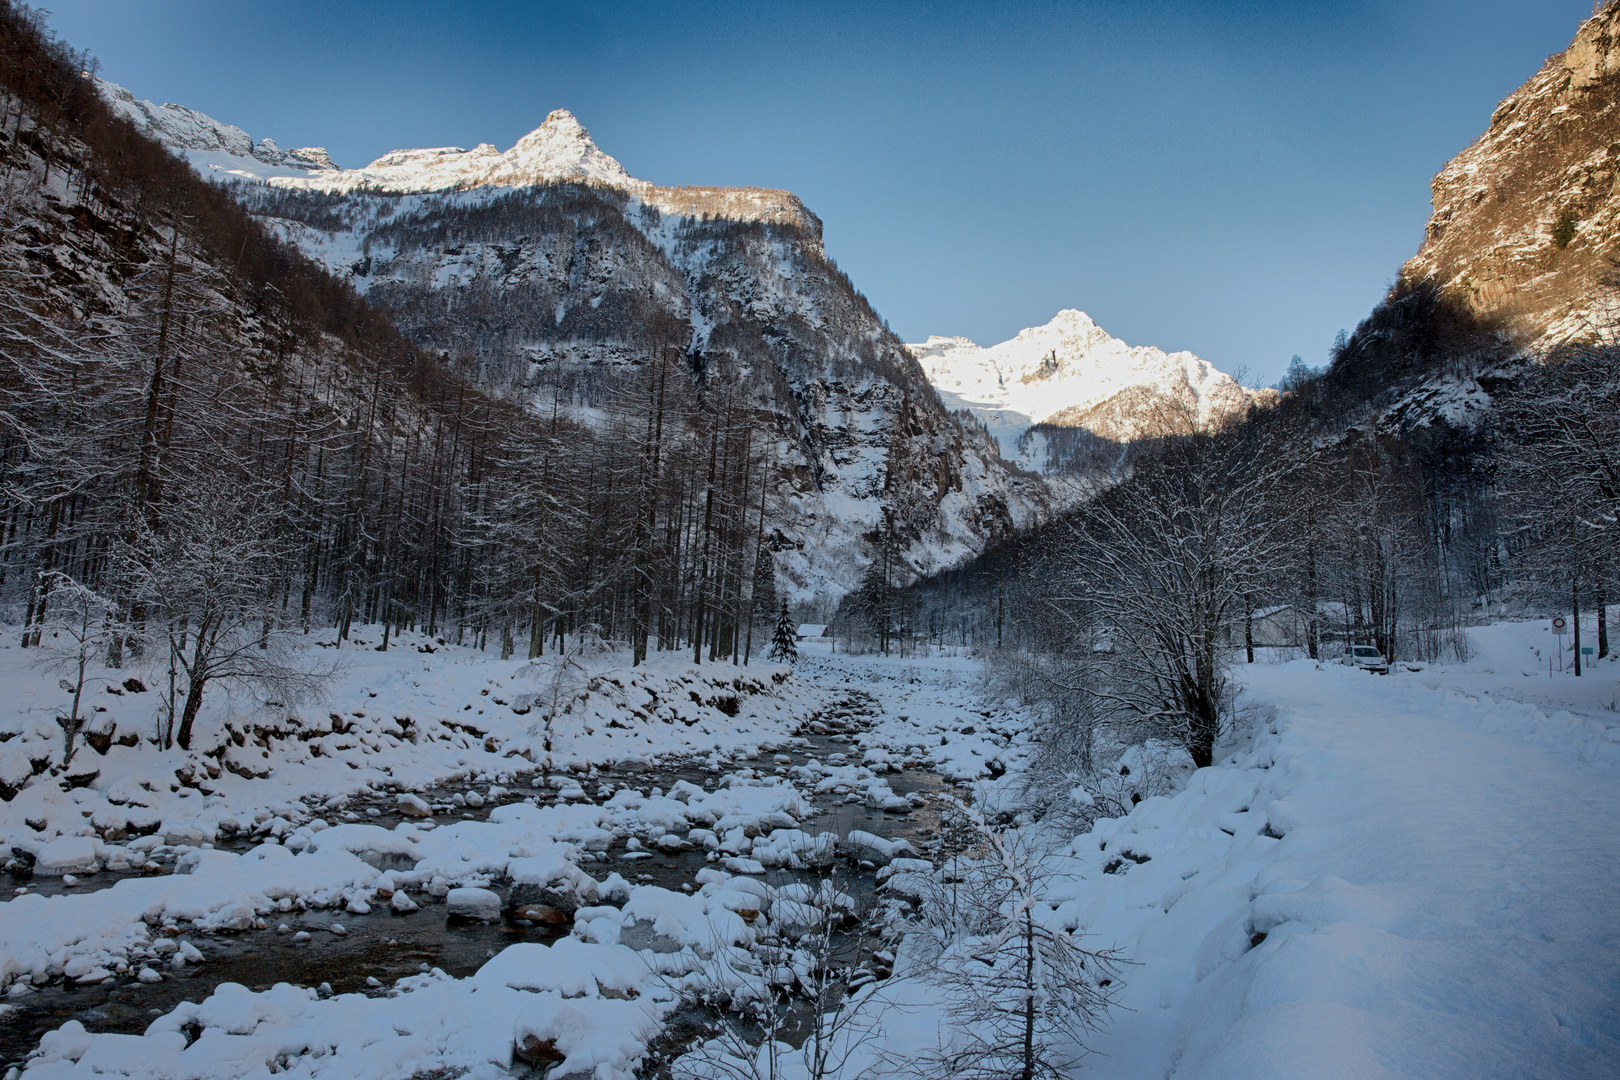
x=1559 y=624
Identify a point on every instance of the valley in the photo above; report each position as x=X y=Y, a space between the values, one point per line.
x=484 y=614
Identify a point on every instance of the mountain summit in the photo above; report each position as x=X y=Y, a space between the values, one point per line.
x=1072 y=374
x=558 y=151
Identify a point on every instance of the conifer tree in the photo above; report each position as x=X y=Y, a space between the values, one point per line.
x=784 y=643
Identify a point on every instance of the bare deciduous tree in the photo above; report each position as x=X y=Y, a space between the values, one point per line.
x=1162 y=564
x=203 y=578
x=74 y=638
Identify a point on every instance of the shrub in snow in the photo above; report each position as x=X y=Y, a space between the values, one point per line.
x=201 y=578
x=564 y=678
x=798 y=974
x=1019 y=989
x=80 y=630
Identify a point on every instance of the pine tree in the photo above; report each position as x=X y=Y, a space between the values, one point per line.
x=784 y=643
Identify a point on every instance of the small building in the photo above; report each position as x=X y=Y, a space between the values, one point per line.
x=812 y=630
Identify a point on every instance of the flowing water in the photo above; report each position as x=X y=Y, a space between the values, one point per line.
x=384 y=946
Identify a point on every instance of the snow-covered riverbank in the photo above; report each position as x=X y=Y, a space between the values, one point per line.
x=667 y=762
x=1402 y=876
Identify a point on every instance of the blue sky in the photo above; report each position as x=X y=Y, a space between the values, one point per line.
x=1239 y=179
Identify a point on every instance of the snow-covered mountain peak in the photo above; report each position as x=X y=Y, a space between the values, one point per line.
x=1070 y=330
x=559 y=150
x=1070 y=373
x=1071 y=337
x=562 y=146
x=561 y=129
x=1069 y=321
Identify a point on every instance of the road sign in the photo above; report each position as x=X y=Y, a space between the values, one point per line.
x=1587 y=650
x=1558 y=624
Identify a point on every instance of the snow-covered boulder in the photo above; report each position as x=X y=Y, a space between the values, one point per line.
x=874 y=848
x=377 y=846
x=68 y=855
x=413 y=806
x=549 y=881
x=796 y=849
x=471 y=903
x=194 y=833
x=585 y=1037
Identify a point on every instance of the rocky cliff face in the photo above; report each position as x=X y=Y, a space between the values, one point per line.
x=1526 y=221
x=555 y=275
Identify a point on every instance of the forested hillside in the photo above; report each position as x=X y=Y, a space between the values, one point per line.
x=210 y=443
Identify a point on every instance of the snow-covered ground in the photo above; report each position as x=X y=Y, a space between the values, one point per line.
x=1409 y=875
x=1385 y=876
x=420 y=714
x=1440 y=902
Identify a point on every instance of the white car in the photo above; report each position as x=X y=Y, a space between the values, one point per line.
x=1366 y=657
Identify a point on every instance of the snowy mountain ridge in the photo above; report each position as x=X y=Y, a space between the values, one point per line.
x=560 y=150
x=212 y=146
x=1072 y=373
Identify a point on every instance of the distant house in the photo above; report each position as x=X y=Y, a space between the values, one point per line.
x=812 y=630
